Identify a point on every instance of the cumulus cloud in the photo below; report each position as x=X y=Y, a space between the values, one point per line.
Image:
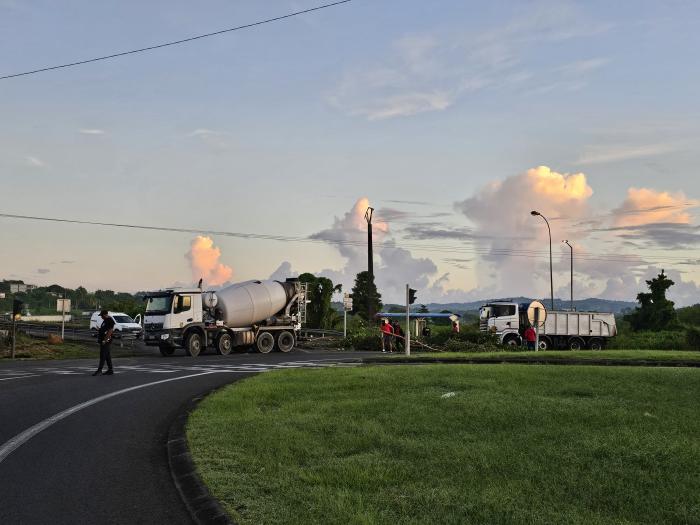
x=34 y=162
x=504 y=227
x=283 y=271
x=648 y=206
x=626 y=287
x=204 y=262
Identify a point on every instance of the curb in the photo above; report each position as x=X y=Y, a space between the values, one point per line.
x=535 y=361
x=202 y=506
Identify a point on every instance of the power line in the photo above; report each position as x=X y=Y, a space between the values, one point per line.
x=492 y=252
x=175 y=42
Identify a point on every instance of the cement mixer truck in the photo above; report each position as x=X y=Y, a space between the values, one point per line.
x=265 y=315
x=557 y=328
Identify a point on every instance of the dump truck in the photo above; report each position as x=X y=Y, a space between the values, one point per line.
x=557 y=329
x=266 y=315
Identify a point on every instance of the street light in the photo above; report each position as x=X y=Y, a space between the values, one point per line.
x=572 y=273
x=551 y=279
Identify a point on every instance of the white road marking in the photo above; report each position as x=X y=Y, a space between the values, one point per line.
x=18 y=377
x=20 y=439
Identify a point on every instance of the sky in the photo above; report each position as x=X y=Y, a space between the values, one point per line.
x=453 y=120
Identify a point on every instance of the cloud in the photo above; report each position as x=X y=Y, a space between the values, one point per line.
x=626 y=287
x=603 y=154
x=42 y=270
x=34 y=162
x=647 y=206
x=91 y=131
x=429 y=72
x=203 y=132
x=513 y=241
x=433 y=231
x=283 y=271
x=204 y=262
x=665 y=235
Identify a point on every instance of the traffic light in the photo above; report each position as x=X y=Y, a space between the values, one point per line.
x=411 y=296
x=17 y=307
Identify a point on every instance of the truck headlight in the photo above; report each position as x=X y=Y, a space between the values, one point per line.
x=164 y=336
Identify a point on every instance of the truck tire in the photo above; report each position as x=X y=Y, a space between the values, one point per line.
x=285 y=341
x=576 y=343
x=265 y=342
x=595 y=344
x=224 y=344
x=545 y=343
x=193 y=344
x=166 y=350
x=511 y=340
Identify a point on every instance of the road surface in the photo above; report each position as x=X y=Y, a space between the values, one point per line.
x=81 y=449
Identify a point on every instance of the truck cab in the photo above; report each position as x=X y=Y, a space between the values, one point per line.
x=502 y=319
x=169 y=313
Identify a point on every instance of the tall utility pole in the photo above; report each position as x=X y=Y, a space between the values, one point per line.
x=551 y=279
x=572 y=274
x=408 y=320
x=370 y=258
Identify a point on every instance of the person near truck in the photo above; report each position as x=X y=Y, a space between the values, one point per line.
x=387 y=336
x=530 y=336
x=104 y=338
x=398 y=336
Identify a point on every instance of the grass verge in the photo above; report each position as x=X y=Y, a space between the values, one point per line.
x=589 y=355
x=35 y=348
x=454 y=444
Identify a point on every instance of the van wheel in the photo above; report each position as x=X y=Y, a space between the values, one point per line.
x=265 y=342
x=193 y=345
x=224 y=344
x=285 y=341
x=576 y=343
x=595 y=344
x=166 y=350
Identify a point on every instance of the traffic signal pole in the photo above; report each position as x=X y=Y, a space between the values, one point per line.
x=408 y=322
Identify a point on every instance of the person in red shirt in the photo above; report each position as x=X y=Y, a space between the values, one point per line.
x=530 y=337
x=387 y=336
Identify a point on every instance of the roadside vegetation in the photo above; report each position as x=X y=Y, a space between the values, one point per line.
x=454 y=444
x=40 y=348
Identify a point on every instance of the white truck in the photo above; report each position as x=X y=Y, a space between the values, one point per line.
x=560 y=329
x=266 y=315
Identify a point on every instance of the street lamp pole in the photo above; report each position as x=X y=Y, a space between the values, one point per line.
x=551 y=279
x=572 y=273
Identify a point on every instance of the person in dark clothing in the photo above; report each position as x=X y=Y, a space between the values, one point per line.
x=398 y=336
x=104 y=338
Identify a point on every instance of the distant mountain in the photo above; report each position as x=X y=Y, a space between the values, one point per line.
x=582 y=305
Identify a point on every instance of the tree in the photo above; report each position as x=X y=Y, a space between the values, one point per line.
x=365 y=297
x=423 y=309
x=654 y=312
x=319 y=312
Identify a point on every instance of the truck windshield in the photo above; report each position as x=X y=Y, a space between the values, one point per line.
x=159 y=304
x=501 y=310
x=485 y=312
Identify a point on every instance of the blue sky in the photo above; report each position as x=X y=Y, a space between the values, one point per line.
x=280 y=129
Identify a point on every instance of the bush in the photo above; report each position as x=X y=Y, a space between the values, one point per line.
x=364 y=340
x=458 y=345
x=692 y=338
x=648 y=340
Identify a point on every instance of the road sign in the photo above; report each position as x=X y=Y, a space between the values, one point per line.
x=347 y=302
x=536 y=312
x=63 y=305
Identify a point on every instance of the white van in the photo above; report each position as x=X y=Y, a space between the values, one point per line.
x=124 y=326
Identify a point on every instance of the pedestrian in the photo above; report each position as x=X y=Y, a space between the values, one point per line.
x=398 y=336
x=455 y=327
x=530 y=337
x=104 y=338
x=387 y=336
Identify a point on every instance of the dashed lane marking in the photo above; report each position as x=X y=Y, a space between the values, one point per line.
x=19 y=377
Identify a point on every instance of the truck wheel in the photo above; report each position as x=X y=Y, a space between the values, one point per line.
x=545 y=343
x=576 y=343
x=511 y=340
x=193 y=345
x=285 y=341
x=595 y=344
x=224 y=344
x=265 y=342
x=166 y=350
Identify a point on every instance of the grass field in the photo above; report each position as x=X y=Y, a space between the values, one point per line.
x=651 y=355
x=39 y=348
x=455 y=444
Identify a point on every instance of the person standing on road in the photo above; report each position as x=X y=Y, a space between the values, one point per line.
x=104 y=338
x=530 y=337
x=387 y=337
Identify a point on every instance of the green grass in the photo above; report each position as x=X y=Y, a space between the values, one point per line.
x=515 y=444
x=598 y=355
x=36 y=348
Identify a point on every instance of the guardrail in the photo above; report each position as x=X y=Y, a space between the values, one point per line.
x=314 y=333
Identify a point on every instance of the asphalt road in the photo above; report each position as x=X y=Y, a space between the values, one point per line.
x=69 y=455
